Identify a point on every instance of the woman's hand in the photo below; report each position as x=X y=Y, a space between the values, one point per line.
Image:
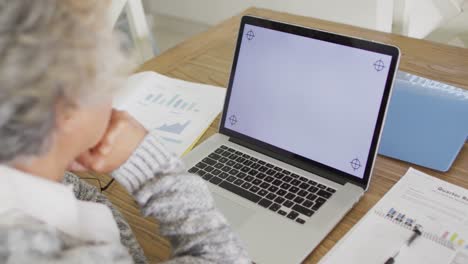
x=122 y=137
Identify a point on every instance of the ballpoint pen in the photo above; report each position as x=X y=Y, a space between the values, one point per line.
x=416 y=234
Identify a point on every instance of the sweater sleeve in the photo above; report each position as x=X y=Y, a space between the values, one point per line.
x=181 y=202
x=86 y=192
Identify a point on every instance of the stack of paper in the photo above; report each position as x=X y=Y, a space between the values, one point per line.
x=179 y=112
x=437 y=208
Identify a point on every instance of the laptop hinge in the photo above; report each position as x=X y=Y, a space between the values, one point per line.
x=302 y=165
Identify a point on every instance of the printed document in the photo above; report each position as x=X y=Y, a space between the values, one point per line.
x=437 y=208
x=177 y=111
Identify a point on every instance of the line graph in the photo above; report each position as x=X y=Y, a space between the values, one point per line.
x=175 y=128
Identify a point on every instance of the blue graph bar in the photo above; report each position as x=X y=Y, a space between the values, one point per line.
x=149 y=97
x=191 y=106
x=178 y=103
x=172 y=100
x=155 y=100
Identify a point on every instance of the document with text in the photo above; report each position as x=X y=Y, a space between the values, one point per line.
x=177 y=111
x=436 y=209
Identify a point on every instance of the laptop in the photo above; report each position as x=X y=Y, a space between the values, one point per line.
x=298 y=136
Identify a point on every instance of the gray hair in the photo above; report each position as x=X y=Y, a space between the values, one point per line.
x=50 y=51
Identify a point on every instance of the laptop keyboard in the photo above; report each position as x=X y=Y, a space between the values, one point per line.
x=288 y=194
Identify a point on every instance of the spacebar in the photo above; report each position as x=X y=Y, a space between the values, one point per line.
x=239 y=191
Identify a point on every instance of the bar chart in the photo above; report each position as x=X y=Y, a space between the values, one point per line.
x=400 y=218
x=416 y=201
x=455 y=239
x=178 y=112
x=176 y=102
x=448 y=239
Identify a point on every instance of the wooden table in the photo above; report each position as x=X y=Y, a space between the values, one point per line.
x=207 y=57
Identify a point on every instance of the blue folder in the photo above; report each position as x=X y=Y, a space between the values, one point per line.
x=427 y=122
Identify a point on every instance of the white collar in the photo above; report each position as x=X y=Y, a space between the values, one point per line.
x=56 y=205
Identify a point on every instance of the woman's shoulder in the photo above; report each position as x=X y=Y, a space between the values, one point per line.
x=25 y=239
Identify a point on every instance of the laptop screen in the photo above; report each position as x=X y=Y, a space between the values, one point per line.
x=316 y=99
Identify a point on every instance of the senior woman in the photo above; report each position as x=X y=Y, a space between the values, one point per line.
x=59 y=65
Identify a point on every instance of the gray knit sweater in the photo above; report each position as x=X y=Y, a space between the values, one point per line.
x=180 y=201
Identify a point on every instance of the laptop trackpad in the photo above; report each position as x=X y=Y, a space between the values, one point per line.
x=236 y=214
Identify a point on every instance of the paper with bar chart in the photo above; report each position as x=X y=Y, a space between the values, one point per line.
x=175 y=110
x=437 y=208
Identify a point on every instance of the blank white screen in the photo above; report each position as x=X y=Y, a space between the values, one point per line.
x=313 y=98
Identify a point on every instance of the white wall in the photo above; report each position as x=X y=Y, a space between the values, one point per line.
x=374 y=14
x=454 y=31
x=421 y=17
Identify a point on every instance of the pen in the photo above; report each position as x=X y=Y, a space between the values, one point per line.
x=416 y=234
